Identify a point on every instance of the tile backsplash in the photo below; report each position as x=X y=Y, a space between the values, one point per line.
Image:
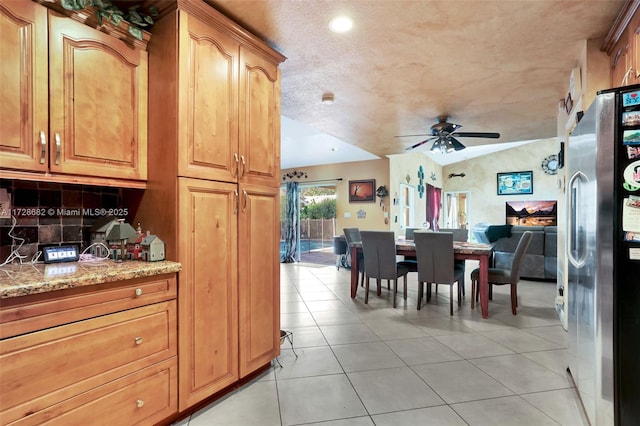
x=53 y=214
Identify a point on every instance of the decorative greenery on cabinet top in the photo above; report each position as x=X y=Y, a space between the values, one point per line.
x=136 y=18
x=123 y=20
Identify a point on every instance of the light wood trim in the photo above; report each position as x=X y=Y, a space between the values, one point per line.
x=619 y=26
x=80 y=180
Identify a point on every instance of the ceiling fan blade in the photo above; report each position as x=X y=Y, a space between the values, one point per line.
x=477 y=135
x=418 y=144
x=456 y=144
x=407 y=136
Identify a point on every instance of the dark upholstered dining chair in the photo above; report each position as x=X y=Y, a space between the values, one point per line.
x=499 y=276
x=379 y=249
x=459 y=234
x=352 y=235
x=434 y=251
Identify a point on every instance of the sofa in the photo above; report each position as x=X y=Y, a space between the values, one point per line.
x=541 y=259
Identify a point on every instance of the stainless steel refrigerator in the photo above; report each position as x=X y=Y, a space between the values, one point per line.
x=603 y=254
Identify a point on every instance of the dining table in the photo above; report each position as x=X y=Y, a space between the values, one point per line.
x=462 y=250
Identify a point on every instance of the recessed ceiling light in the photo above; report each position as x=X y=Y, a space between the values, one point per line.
x=340 y=24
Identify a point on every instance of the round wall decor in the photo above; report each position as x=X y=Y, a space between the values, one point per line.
x=550 y=164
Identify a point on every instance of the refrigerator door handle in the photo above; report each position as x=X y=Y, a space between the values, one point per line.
x=577 y=262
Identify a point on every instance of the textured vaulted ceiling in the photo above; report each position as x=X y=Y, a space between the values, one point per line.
x=492 y=66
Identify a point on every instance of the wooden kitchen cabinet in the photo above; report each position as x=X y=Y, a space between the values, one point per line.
x=77 y=356
x=214 y=177
x=74 y=100
x=230 y=105
x=622 y=72
x=208 y=325
x=259 y=276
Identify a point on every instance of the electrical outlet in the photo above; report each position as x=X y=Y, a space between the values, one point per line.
x=5 y=204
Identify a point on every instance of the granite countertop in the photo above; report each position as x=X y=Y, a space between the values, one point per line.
x=21 y=280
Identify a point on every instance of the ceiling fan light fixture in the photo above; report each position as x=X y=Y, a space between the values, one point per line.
x=340 y=24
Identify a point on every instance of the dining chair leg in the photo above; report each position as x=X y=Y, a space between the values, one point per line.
x=459 y=294
x=379 y=286
x=420 y=293
x=395 y=291
x=366 y=290
x=405 y=287
x=473 y=294
x=428 y=292
x=388 y=284
x=450 y=299
x=490 y=291
x=514 y=299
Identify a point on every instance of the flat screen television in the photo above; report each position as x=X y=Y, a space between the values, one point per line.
x=532 y=213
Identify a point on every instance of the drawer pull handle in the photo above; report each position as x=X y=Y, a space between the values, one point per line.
x=244 y=165
x=138 y=292
x=139 y=403
x=138 y=340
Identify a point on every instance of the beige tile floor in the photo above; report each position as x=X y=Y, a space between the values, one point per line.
x=363 y=365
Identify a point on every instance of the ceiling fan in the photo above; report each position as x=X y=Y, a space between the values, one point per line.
x=443 y=132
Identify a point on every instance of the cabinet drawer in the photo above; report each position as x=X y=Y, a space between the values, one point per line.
x=20 y=315
x=43 y=368
x=145 y=397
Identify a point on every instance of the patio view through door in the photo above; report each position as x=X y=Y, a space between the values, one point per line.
x=315 y=224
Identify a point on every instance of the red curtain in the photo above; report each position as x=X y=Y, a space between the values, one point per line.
x=433 y=207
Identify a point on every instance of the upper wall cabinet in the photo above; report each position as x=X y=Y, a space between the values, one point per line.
x=622 y=44
x=232 y=121
x=74 y=100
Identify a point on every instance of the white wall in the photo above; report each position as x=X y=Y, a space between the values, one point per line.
x=480 y=181
x=485 y=205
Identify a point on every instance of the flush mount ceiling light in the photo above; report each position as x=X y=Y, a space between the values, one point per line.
x=327 y=98
x=340 y=24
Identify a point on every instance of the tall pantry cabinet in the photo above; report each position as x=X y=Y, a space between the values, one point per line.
x=213 y=191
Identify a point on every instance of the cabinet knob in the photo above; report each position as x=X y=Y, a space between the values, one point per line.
x=138 y=292
x=139 y=403
x=138 y=340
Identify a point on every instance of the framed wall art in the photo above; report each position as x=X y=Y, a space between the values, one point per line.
x=513 y=183
x=362 y=191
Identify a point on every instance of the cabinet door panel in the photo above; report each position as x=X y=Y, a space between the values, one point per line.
x=209 y=92
x=620 y=63
x=259 y=276
x=98 y=103
x=259 y=111
x=207 y=292
x=24 y=86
